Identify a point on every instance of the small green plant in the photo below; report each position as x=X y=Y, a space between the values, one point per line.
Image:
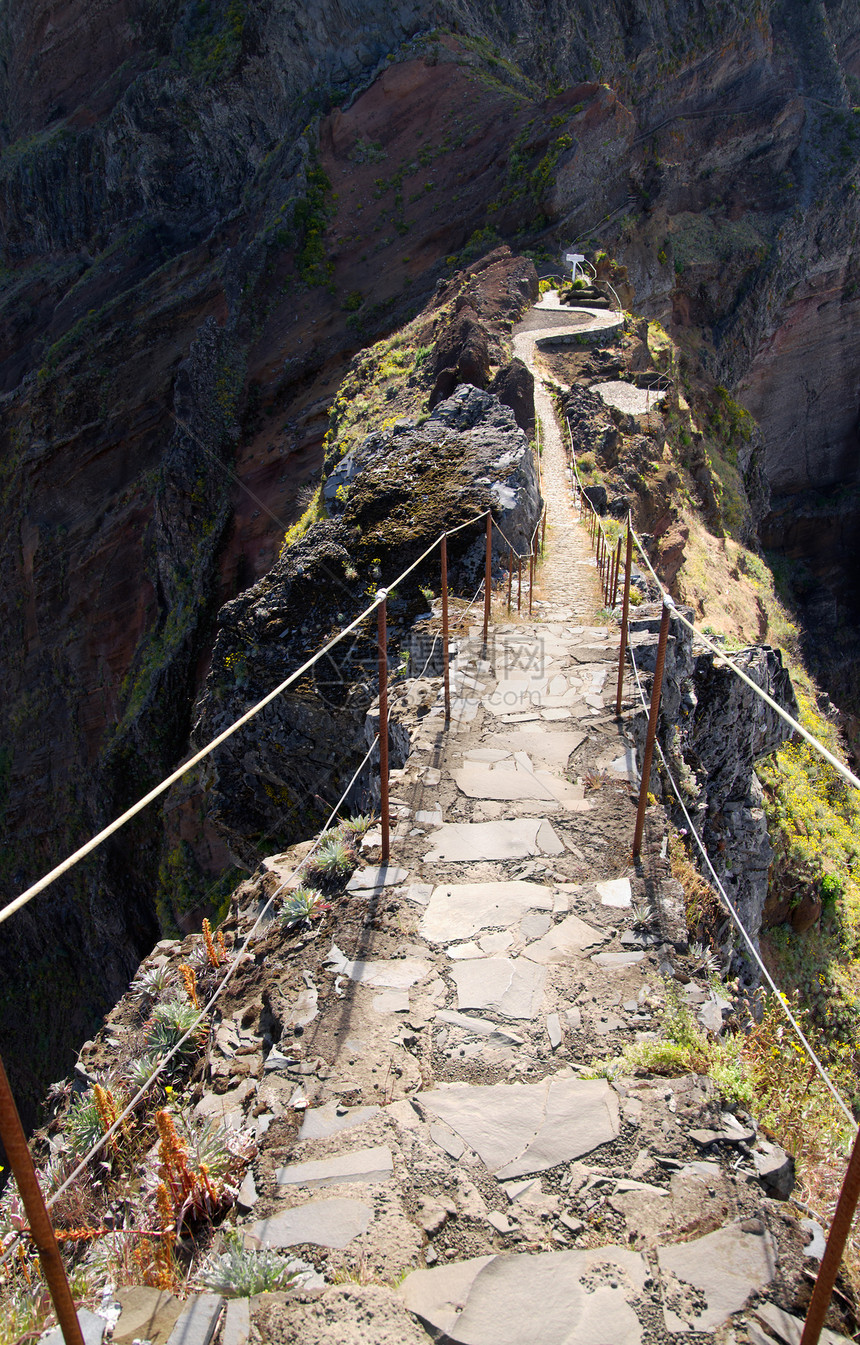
x=83 y=1125
x=353 y=827
x=140 y=1070
x=305 y=903
x=240 y=1273
x=212 y=1146
x=169 y=1023
x=334 y=859
x=154 y=981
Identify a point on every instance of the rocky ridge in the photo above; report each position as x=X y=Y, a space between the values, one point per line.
x=427 y=1069
x=166 y=168
x=421 y=1068
x=390 y=498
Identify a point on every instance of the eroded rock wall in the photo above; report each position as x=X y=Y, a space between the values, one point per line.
x=713 y=729
x=391 y=498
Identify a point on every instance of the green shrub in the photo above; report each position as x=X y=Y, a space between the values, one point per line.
x=240 y=1273
x=334 y=859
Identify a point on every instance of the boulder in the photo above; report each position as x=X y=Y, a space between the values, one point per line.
x=598 y=497
x=462 y=355
x=775 y=1169
x=515 y=387
x=390 y=498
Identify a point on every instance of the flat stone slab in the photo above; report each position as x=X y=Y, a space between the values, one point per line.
x=613 y=961
x=478 y=780
x=479 y=1027
x=320 y=1122
x=512 y=988
x=519 y=838
x=431 y=818
x=625 y=766
x=321 y=1223
x=147 y=1314
x=459 y=952
x=722 y=1268
x=92 y=1327
x=499 y=942
x=459 y=910
x=374 y=877
x=534 y=926
x=627 y=397
x=790 y=1328
x=199 y=1319
x=361 y=1165
x=444 y=1136
x=521 y=1129
x=237 y=1322
x=420 y=893
x=396 y=974
x=391 y=1001
x=615 y=892
x=554 y=1298
x=565 y=942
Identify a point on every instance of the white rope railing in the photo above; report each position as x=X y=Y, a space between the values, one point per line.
x=725 y=659
x=730 y=907
x=204 y=752
x=205 y=1010
x=721 y=654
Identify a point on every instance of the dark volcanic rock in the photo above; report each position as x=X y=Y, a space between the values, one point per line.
x=598 y=497
x=515 y=387
x=462 y=356
x=392 y=496
x=714 y=728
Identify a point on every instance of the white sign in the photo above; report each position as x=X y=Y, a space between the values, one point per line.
x=573 y=259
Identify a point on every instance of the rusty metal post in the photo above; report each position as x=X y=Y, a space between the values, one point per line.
x=510 y=575
x=832 y=1258
x=446 y=675
x=382 y=636
x=531 y=578
x=656 y=689
x=519 y=583
x=625 y=615
x=615 y=573
x=543 y=531
x=41 y=1229
x=488 y=576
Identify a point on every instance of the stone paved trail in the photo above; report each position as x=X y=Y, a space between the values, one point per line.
x=567 y=579
x=430 y=1101
x=436 y=1140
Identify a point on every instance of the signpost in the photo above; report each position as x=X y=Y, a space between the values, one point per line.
x=573 y=259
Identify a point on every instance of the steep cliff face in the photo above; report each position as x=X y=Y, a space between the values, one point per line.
x=205 y=210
